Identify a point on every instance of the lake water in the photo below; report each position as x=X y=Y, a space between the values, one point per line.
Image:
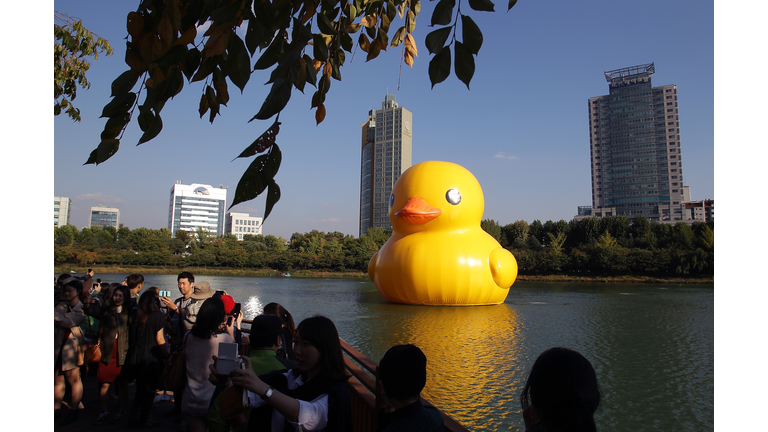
x=652 y=345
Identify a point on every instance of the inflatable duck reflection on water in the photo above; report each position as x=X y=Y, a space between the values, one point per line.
x=438 y=254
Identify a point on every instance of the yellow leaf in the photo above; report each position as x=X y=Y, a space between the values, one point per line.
x=369 y=21
x=320 y=114
x=408 y=57
x=317 y=64
x=410 y=46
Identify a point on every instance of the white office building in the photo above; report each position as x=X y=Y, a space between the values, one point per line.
x=242 y=224
x=197 y=206
x=61 y=208
x=104 y=216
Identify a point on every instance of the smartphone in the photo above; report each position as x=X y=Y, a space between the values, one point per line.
x=230 y=320
x=236 y=310
x=98 y=280
x=165 y=293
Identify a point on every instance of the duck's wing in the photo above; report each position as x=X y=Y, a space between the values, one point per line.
x=503 y=267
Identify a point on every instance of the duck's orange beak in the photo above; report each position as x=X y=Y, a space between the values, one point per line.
x=417 y=211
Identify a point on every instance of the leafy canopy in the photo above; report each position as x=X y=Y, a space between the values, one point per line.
x=72 y=44
x=300 y=41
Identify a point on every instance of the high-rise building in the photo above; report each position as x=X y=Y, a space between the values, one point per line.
x=635 y=147
x=104 y=216
x=242 y=224
x=197 y=205
x=61 y=207
x=387 y=145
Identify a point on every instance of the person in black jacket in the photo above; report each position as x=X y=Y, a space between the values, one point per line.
x=561 y=393
x=403 y=374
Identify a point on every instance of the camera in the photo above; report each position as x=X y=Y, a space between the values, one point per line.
x=227 y=360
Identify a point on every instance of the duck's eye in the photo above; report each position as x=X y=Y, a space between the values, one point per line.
x=391 y=200
x=453 y=196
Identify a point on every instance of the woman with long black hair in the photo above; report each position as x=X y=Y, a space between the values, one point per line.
x=113 y=342
x=200 y=345
x=313 y=396
x=145 y=356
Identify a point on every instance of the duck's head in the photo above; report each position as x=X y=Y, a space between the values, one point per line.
x=435 y=195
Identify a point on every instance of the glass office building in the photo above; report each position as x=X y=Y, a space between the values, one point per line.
x=635 y=151
x=387 y=145
x=104 y=216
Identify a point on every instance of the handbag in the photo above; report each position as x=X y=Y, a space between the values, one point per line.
x=93 y=352
x=174 y=373
x=234 y=405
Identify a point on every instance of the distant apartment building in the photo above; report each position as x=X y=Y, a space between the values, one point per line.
x=387 y=145
x=635 y=151
x=197 y=206
x=104 y=216
x=61 y=209
x=242 y=224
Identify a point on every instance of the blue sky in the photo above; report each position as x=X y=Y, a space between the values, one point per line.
x=522 y=128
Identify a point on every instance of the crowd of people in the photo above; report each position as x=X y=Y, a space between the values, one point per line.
x=287 y=377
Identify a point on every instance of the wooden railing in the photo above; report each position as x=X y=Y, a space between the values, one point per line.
x=365 y=391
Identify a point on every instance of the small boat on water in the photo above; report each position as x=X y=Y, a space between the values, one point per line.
x=286 y=274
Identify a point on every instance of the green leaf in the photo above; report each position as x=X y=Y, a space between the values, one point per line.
x=436 y=39
x=440 y=66
x=115 y=125
x=278 y=97
x=471 y=35
x=443 y=12
x=325 y=25
x=238 y=65
x=263 y=142
x=125 y=82
x=397 y=39
x=273 y=196
x=104 y=151
x=191 y=62
x=511 y=3
x=119 y=105
x=320 y=49
x=153 y=131
x=270 y=55
x=254 y=36
x=311 y=73
x=258 y=176
x=174 y=56
x=226 y=13
x=464 y=63
x=481 y=5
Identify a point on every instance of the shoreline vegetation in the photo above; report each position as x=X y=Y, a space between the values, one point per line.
x=352 y=274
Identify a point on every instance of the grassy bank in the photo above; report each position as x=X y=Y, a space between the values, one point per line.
x=226 y=271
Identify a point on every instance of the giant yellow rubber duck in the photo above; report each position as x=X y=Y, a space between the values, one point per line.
x=438 y=254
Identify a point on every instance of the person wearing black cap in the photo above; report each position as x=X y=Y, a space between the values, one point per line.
x=403 y=374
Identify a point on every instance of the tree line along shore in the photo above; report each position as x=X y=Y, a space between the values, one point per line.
x=598 y=250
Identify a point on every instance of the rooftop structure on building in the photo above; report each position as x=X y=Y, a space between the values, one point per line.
x=242 y=224
x=104 y=216
x=61 y=211
x=635 y=147
x=387 y=145
x=197 y=206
